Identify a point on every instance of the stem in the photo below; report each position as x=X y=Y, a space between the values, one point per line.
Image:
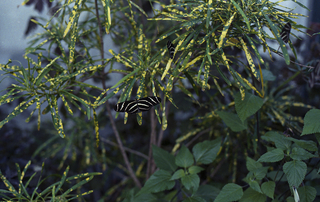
x=152 y=142
x=114 y=128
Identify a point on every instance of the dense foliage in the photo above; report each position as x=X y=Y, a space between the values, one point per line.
x=233 y=125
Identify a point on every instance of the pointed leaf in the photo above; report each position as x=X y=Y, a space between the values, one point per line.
x=159 y=181
x=251 y=195
x=252 y=164
x=190 y=181
x=300 y=154
x=268 y=188
x=230 y=192
x=184 y=158
x=208 y=192
x=163 y=159
x=205 y=152
x=295 y=172
x=247 y=107
x=311 y=122
x=272 y=156
x=178 y=174
x=307 y=193
x=232 y=121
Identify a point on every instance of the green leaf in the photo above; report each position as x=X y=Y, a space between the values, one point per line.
x=268 y=188
x=260 y=173
x=307 y=193
x=295 y=172
x=247 y=107
x=194 y=199
x=178 y=174
x=272 y=156
x=184 y=158
x=230 y=192
x=311 y=122
x=251 y=195
x=280 y=141
x=206 y=152
x=195 y=169
x=190 y=181
x=252 y=164
x=300 y=154
x=208 y=192
x=147 y=197
x=305 y=144
x=163 y=159
x=159 y=181
x=255 y=186
x=43 y=72
x=232 y=121
x=268 y=75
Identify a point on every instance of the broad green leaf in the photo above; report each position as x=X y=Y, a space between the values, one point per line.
x=280 y=140
x=194 y=199
x=159 y=181
x=295 y=172
x=255 y=186
x=232 y=121
x=195 y=169
x=208 y=192
x=305 y=144
x=230 y=192
x=190 y=181
x=268 y=188
x=272 y=156
x=307 y=193
x=184 y=158
x=252 y=164
x=268 y=75
x=178 y=174
x=260 y=173
x=251 y=195
x=247 y=107
x=311 y=122
x=163 y=159
x=300 y=154
x=147 y=197
x=206 y=152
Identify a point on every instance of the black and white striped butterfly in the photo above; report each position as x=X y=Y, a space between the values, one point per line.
x=170 y=47
x=134 y=106
x=285 y=32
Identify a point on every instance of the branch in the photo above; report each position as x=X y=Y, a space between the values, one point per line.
x=152 y=142
x=125 y=148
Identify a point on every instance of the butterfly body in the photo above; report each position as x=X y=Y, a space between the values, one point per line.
x=133 y=106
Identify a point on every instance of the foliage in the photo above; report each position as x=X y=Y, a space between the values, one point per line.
x=219 y=97
x=54 y=192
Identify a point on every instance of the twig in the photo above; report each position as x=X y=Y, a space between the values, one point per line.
x=125 y=148
x=197 y=136
x=280 y=54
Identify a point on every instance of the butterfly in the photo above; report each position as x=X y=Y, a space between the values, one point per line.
x=134 y=106
x=285 y=32
x=171 y=49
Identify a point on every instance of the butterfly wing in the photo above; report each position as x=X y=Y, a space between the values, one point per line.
x=285 y=32
x=171 y=49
